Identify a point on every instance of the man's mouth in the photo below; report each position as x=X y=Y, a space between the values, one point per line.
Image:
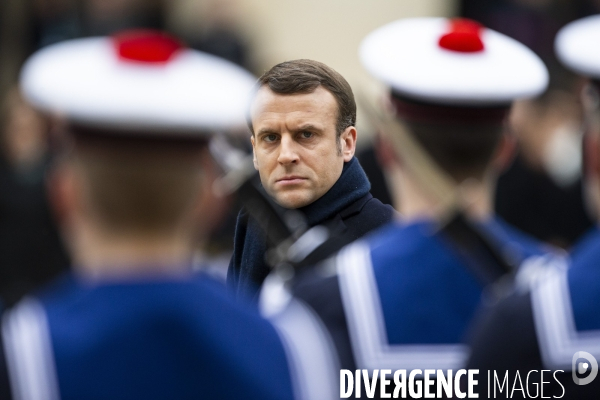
x=290 y=180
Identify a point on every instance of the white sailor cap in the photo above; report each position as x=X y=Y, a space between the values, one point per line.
x=452 y=62
x=137 y=81
x=577 y=45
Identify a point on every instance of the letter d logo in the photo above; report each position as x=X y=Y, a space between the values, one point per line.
x=582 y=367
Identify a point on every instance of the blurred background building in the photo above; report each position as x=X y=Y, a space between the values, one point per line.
x=540 y=192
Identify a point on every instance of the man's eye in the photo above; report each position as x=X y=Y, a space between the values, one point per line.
x=306 y=134
x=270 y=138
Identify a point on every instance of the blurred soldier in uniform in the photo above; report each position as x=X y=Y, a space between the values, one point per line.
x=555 y=325
x=403 y=297
x=302 y=119
x=133 y=321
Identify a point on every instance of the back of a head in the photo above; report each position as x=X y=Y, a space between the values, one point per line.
x=140 y=187
x=305 y=76
x=576 y=46
x=462 y=150
x=461 y=140
x=140 y=108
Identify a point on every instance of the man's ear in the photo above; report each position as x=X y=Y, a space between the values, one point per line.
x=209 y=208
x=348 y=143
x=384 y=150
x=591 y=174
x=591 y=156
x=505 y=152
x=254 y=152
x=63 y=194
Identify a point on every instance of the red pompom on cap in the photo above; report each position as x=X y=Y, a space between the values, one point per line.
x=146 y=46
x=464 y=36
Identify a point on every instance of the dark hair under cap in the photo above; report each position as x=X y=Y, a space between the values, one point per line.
x=418 y=111
x=460 y=139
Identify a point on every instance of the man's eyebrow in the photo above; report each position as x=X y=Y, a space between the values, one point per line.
x=266 y=131
x=308 y=127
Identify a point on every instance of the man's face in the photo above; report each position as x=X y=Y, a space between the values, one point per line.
x=295 y=145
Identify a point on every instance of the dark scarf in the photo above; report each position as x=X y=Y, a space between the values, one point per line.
x=248 y=269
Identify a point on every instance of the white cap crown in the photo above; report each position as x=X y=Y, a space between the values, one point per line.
x=452 y=62
x=577 y=45
x=142 y=81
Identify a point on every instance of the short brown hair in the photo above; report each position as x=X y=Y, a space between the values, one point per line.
x=305 y=76
x=139 y=186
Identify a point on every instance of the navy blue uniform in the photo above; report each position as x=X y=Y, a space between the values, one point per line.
x=402 y=298
x=174 y=339
x=546 y=326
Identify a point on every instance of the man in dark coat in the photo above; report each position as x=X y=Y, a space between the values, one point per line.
x=303 y=137
x=401 y=300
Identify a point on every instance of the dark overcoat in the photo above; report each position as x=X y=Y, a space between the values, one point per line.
x=348 y=208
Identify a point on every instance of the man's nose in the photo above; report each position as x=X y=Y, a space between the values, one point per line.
x=287 y=151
